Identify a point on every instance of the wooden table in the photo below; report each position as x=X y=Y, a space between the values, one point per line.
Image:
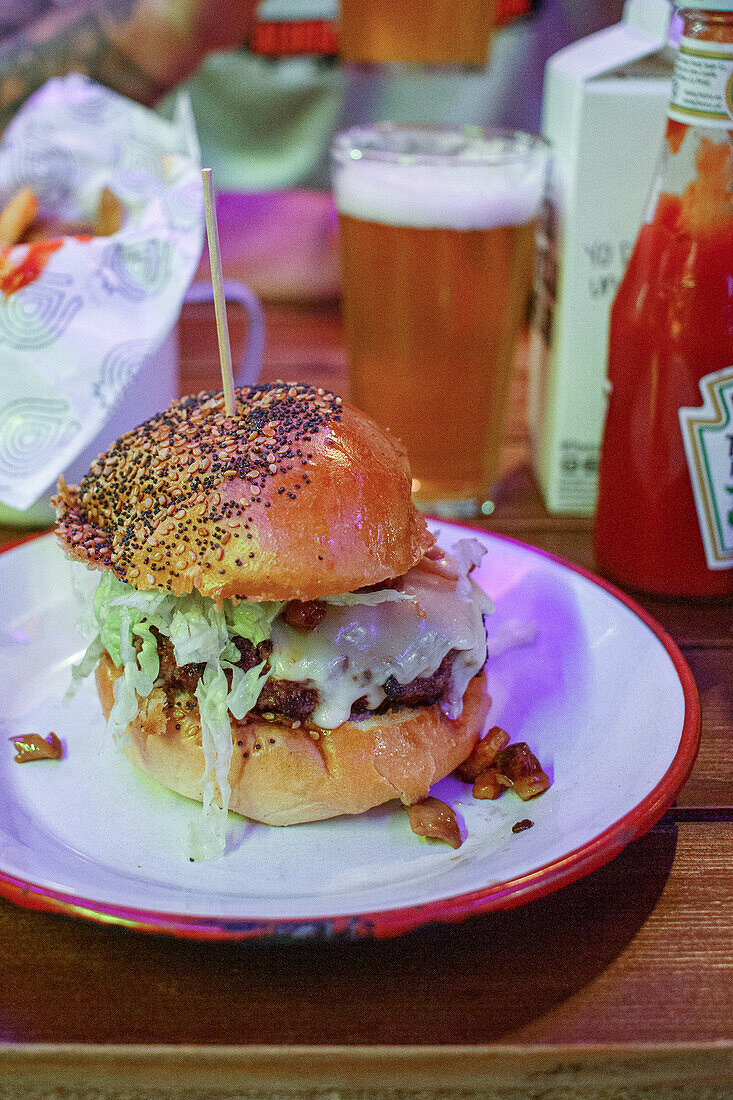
x=617 y=986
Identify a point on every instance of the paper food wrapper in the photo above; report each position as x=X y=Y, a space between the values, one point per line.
x=77 y=323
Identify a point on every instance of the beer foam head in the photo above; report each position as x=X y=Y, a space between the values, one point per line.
x=487 y=182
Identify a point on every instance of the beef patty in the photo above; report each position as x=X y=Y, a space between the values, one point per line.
x=292 y=700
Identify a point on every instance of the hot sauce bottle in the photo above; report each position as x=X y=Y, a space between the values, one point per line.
x=664 y=522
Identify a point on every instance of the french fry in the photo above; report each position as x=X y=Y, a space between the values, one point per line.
x=49 y=229
x=109 y=214
x=20 y=222
x=16 y=216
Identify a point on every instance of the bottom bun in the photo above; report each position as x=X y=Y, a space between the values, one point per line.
x=283 y=776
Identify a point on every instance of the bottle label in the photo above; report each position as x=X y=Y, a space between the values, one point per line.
x=707 y=432
x=702 y=85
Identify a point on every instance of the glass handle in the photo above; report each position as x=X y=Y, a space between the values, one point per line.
x=250 y=364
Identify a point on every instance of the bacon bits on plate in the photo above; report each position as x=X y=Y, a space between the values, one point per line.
x=433 y=818
x=31 y=746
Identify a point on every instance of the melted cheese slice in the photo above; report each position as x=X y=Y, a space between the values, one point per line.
x=354 y=650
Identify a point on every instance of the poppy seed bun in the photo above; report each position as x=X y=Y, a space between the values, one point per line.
x=295 y=496
x=282 y=776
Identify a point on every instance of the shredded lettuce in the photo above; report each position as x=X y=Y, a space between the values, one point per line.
x=85 y=667
x=197 y=630
x=252 y=620
x=371 y=599
x=245 y=690
x=202 y=633
x=216 y=736
x=207 y=836
x=118 y=607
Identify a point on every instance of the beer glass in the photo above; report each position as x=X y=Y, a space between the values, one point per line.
x=435 y=32
x=436 y=231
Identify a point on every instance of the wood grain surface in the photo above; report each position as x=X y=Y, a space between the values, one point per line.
x=616 y=986
x=499 y=1072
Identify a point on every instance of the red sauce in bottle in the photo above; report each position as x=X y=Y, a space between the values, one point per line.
x=671 y=324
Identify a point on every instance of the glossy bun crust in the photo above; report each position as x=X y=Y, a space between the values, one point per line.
x=282 y=776
x=295 y=496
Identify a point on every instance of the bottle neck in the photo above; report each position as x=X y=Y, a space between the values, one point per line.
x=702 y=86
x=694 y=180
x=707 y=26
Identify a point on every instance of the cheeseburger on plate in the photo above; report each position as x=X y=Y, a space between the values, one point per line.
x=278 y=633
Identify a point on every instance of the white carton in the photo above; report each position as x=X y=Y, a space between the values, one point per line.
x=603 y=112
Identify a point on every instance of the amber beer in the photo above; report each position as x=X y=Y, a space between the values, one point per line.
x=437 y=269
x=437 y=32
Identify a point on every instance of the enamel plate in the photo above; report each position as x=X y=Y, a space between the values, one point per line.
x=576 y=669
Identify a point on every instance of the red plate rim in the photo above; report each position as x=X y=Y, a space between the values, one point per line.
x=393 y=922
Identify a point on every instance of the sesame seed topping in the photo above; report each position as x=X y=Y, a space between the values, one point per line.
x=162 y=492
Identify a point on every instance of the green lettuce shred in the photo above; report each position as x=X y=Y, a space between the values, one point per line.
x=251 y=620
x=200 y=633
x=371 y=599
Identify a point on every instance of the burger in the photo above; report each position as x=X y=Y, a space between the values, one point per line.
x=277 y=632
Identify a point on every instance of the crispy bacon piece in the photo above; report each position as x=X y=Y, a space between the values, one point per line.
x=519 y=764
x=432 y=818
x=482 y=755
x=304 y=615
x=490 y=783
x=31 y=746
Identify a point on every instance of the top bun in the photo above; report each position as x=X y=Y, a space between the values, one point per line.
x=296 y=495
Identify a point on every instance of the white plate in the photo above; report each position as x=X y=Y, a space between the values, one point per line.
x=601 y=695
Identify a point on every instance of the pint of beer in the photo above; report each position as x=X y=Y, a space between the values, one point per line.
x=437 y=32
x=437 y=240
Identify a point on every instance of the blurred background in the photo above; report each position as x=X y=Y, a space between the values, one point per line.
x=269 y=89
x=266 y=122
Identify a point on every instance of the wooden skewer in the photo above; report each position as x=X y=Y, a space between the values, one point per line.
x=217 y=281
